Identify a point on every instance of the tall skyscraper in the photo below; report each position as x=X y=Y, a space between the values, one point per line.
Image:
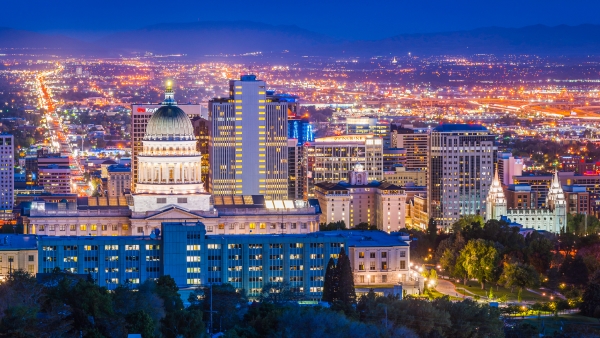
x=249 y=141
x=7 y=176
x=140 y=115
x=461 y=168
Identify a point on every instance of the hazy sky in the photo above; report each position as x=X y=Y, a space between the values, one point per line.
x=350 y=19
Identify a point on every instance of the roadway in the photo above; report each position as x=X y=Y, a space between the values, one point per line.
x=59 y=141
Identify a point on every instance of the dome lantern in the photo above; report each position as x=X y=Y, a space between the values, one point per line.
x=169 y=122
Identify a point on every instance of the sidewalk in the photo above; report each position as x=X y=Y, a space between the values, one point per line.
x=447 y=288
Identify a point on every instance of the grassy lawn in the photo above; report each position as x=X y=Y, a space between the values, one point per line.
x=567 y=322
x=436 y=294
x=374 y=286
x=499 y=291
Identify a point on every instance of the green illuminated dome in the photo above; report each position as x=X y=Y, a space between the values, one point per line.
x=169 y=123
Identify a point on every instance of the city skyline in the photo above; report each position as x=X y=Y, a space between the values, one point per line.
x=300 y=170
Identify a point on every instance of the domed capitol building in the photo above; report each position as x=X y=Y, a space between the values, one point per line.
x=169 y=189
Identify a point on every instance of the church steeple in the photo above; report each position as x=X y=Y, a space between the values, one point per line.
x=557 y=202
x=556 y=195
x=495 y=201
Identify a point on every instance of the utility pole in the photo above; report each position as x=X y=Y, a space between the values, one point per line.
x=386 y=318
x=211 y=311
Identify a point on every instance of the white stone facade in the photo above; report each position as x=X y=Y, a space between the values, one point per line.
x=552 y=219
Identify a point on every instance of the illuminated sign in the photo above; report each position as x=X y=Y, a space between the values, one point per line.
x=344 y=138
x=146 y=110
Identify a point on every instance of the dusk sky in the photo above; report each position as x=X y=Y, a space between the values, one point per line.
x=350 y=19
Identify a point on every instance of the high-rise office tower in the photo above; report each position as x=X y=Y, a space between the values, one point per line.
x=461 y=169
x=249 y=141
x=7 y=176
x=415 y=143
x=140 y=115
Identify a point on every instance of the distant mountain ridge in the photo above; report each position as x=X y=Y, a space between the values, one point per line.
x=215 y=37
x=15 y=38
x=238 y=37
x=536 y=39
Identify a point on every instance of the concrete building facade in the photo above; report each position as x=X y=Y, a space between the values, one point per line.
x=18 y=252
x=360 y=200
x=461 y=165
x=7 y=176
x=193 y=257
x=118 y=180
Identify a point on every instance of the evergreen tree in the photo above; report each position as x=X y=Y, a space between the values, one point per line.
x=329 y=287
x=574 y=271
x=590 y=305
x=346 y=293
x=140 y=322
x=432 y=231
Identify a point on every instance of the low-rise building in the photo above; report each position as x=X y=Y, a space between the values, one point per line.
x=18 y=252
x=402 y=176
x=55 y=179
x=362 y=201
x=416 y=212
x=118 y=180
x=521 y=196
x=578 y=199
